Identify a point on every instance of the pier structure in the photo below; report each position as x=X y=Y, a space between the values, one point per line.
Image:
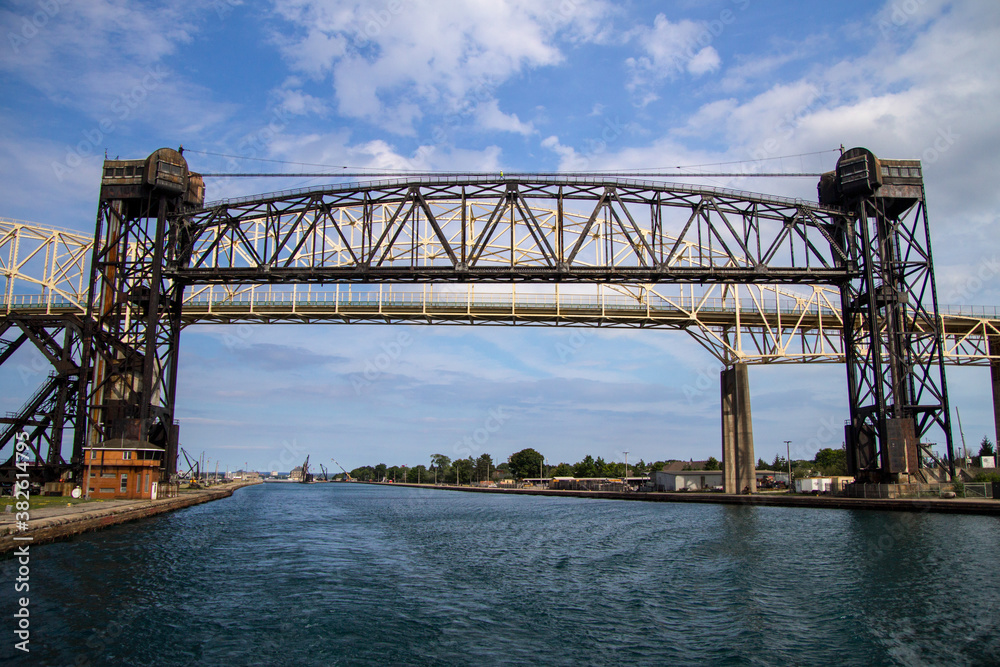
x=753 y=278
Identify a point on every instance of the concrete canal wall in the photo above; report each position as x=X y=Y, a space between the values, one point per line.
x=54 y=523
x=947 y=506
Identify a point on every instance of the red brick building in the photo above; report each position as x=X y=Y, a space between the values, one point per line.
x=119 y=469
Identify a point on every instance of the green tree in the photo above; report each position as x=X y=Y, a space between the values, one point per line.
x=484 y=465
x=563 y=470
x=986 y=446
x=831 y=461
x=600 y=467
x=761 y=465
x=712 y=463
x=364 y=473
x=525 y=463
x=585 y=468
x=380 y=472
x=780 y=463
x=418 y=474
x=440 y=467
x=463 y=470
x=615 y=470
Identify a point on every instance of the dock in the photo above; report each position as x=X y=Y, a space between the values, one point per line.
x=934 y=505
x=55 y=523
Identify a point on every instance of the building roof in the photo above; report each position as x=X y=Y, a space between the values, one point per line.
x=123 y=444
x=685 y=466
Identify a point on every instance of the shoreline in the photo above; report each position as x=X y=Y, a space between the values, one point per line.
x=51 y=524
x=936 y=505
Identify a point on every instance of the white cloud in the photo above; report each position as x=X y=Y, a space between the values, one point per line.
x=405 y=57
x=670 y=49
x=490 y=117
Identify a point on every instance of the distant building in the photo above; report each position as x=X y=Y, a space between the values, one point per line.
x=687 y=480
x=122 y=469
x=678 y=466
x=296 y=474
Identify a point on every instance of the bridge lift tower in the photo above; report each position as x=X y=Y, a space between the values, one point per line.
x=127 y=390
x=893 y=339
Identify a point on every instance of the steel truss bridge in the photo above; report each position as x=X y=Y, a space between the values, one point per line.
x=753 y=278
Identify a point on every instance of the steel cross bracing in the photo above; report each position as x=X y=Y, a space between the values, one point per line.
x=751 y=324
x=565 y=229
x=753 y=278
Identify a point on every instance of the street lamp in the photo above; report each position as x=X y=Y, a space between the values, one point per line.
x=788 y=460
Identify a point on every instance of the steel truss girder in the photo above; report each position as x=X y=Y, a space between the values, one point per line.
x=52 y=408
x=42 y=265
x=480 y=230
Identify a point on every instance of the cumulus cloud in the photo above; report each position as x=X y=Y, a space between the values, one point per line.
x=670 y=50
x=388 y=64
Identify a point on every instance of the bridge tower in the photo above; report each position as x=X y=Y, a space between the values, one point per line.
x=133 y=313
x=893 y=340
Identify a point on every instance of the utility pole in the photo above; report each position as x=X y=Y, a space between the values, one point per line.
x=626 y=470
x=788 y=460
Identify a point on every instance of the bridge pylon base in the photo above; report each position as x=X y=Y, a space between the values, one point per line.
x=738 y=463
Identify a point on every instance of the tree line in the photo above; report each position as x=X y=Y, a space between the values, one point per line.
x=529 y=463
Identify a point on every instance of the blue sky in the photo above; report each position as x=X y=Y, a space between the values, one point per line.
x=539 y=85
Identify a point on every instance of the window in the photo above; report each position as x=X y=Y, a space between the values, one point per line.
x=107 y=475
x=127 y=455
x=124 y=486
x=93 y=453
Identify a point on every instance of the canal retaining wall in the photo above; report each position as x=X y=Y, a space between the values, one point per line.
x=55 y=523
x=947 y=506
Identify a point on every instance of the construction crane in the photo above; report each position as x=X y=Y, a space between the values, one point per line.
x=194 y=470
x=346 y=474
x=306 y=476
x=326 y=478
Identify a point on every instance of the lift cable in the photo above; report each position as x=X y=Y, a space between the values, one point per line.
x=504 y=174
x=657 y=172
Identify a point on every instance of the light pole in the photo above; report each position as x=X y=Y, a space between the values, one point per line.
x=788 y=460
x=626 y=470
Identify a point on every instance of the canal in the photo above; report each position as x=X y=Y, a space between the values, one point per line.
x=355 y=574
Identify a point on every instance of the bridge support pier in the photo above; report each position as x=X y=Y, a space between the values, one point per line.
x=738 y=463
x=994 y=350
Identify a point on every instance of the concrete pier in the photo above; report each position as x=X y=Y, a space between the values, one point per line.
x=738 y=461
x=54 y=523
x=994 y=348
